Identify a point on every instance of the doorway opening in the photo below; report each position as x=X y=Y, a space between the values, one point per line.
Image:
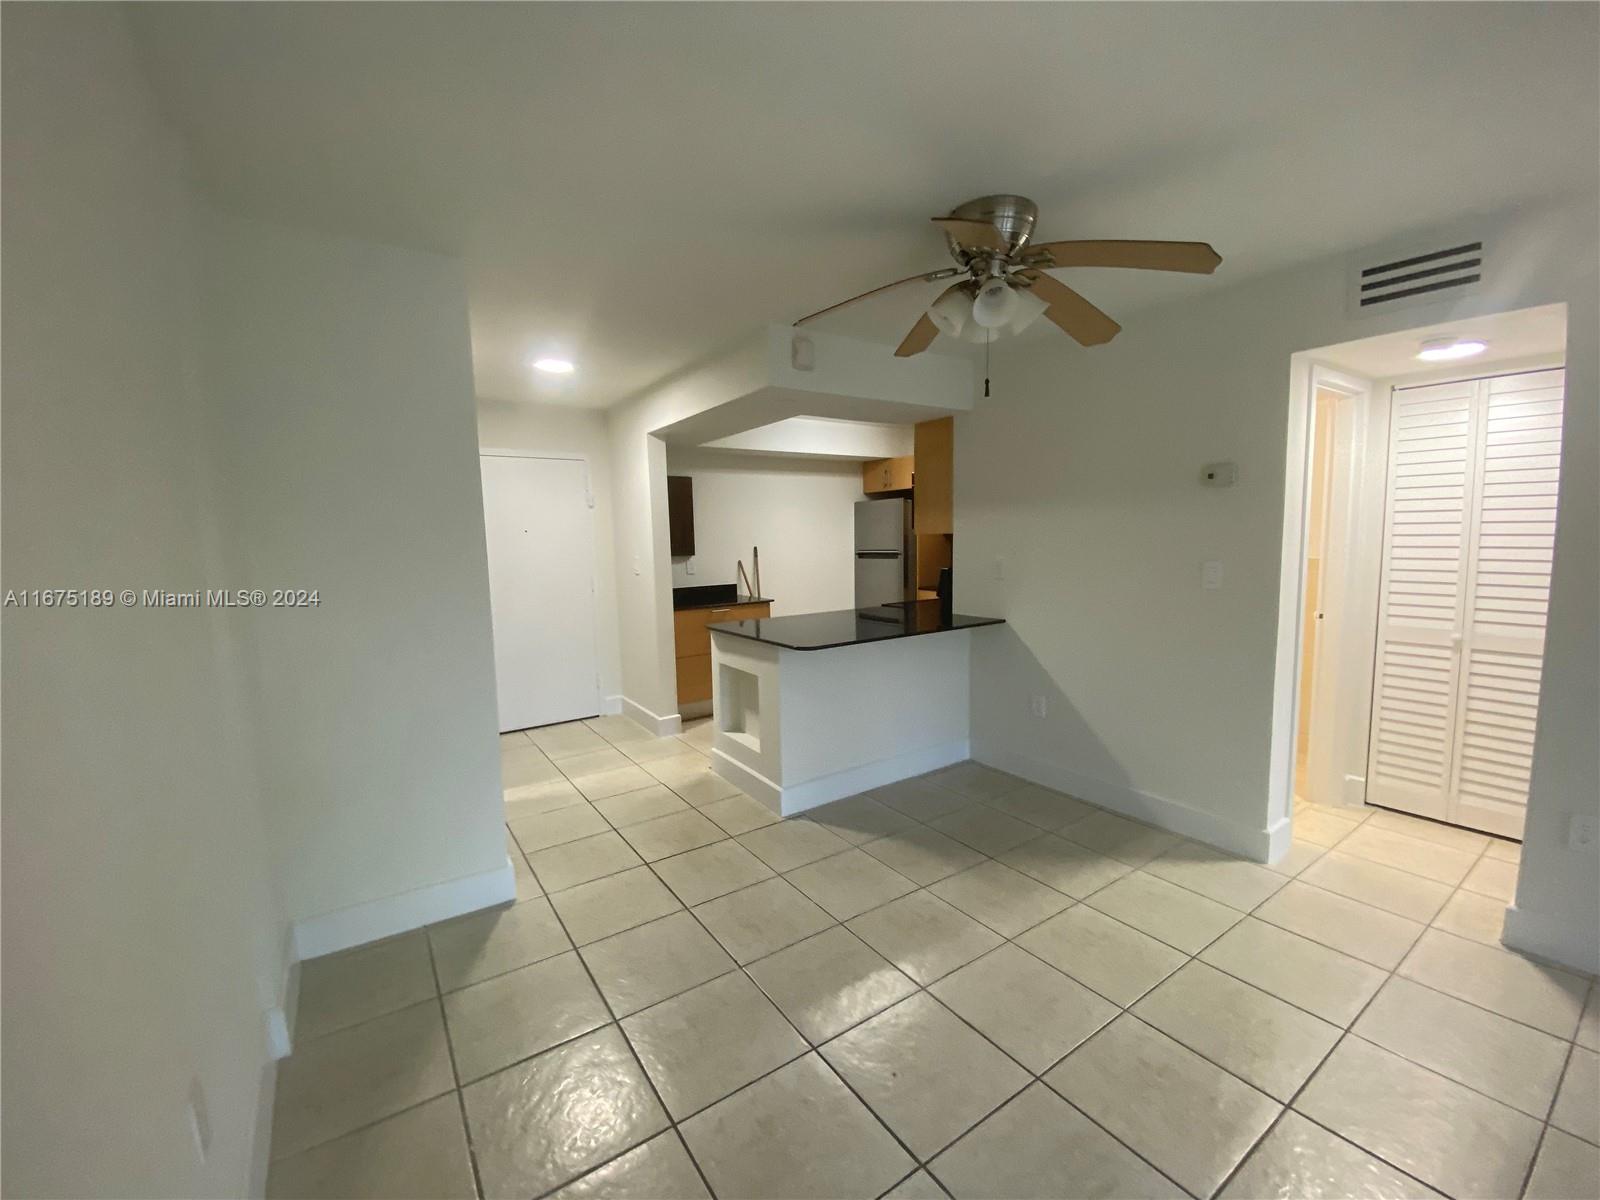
x=1426 y=510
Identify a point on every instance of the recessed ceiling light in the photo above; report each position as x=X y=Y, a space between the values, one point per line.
x=1447 y=349
x=554 y=366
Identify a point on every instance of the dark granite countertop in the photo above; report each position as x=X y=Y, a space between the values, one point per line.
x=851 y=626
x=711 y=595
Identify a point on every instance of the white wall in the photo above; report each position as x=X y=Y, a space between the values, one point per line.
x=1081 y=474
x=560 y=429
x=801 y=512
x=142 y=936
x=344 y=384
x=752 y=385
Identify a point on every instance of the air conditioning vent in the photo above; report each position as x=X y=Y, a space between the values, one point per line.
x=1418 y=275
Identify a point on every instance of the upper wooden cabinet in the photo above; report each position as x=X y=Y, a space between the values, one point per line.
x=887 y=475
x=935 y=455
x=680 y=515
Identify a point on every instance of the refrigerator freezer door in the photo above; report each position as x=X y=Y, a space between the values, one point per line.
x=881 y=525
x=880 y=579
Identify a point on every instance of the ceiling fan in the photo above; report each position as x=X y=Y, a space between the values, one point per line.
x=1005 y=285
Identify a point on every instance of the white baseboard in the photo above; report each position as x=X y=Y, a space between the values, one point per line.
x=662 y=726
x=610 y=706
x=362 y=923
x=1260 y=845
x=786 y=801
x=1554 y=941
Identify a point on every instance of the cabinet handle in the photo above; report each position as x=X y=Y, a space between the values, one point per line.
x=715 y=611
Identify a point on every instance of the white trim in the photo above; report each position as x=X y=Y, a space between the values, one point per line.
x=662 y=726
x=1260 y=845
x=362 y=923
x=786 y=801
x=279 y=1018
x=261 y=1136
x=1551 y=939
x=1338 y=664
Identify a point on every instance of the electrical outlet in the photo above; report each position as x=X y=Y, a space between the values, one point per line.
x=1211 y=575
x=999 y=568
x=1041 y=706
x=1582 y=831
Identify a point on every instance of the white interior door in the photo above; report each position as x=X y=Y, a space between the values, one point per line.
x=1507 y=595
x=540 y=530
x=1469 y=529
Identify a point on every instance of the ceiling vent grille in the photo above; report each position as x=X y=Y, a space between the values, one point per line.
x=1415 y=276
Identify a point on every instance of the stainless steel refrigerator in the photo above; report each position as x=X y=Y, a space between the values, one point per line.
x=883 y=553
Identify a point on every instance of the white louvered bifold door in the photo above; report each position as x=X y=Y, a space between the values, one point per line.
x=1502 y=652
x=1468 y=533
x=1420 y=598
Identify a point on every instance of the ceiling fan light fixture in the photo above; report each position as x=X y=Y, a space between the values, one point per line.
x=950 y=312
x=1450 y=348
x=1029 y=309
x=995 y=304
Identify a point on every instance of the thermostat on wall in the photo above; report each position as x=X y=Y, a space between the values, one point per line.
x=1223 y=474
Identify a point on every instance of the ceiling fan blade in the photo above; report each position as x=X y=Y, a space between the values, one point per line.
x=973 y=233
x=1197 y=258
x=919 y=339
x=925 y=277
x=924 y=331
x=1071 y=313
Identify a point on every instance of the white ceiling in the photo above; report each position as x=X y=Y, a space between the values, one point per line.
x=1513 y=337
x=636 y=186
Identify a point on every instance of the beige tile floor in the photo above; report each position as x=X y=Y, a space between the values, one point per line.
x=961 y=984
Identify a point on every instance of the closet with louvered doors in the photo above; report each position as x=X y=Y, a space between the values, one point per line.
x=1469 y=529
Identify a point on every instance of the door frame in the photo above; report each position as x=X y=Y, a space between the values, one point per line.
x=594 y=555
x=1337 y=677
x=1463 y=372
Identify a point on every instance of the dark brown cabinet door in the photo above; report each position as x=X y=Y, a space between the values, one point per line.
x=680 y=515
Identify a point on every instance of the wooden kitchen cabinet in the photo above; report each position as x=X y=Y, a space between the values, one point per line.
x=888 y=474
x=692 y=644
x=935 y=443
x=680 y=515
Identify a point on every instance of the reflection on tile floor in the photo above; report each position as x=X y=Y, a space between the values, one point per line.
x=960 y=984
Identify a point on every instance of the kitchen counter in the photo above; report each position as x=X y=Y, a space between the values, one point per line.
x=814 y=707
x=715 y=595
x=851 y=626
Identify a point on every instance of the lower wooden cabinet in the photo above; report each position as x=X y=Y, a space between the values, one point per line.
x=693 y=644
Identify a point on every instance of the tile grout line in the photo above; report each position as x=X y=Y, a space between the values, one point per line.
x=1349 y=1031
x=986 y=802
x=638 y=1063
x=924 y=989
x=455 y=1073
x=968 y=802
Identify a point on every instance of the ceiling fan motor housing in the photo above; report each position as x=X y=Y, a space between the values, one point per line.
x=1012 y=216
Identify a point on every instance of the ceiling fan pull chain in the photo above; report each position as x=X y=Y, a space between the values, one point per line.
x=986 y=342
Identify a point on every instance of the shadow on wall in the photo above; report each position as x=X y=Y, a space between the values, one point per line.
x=1035 y=740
